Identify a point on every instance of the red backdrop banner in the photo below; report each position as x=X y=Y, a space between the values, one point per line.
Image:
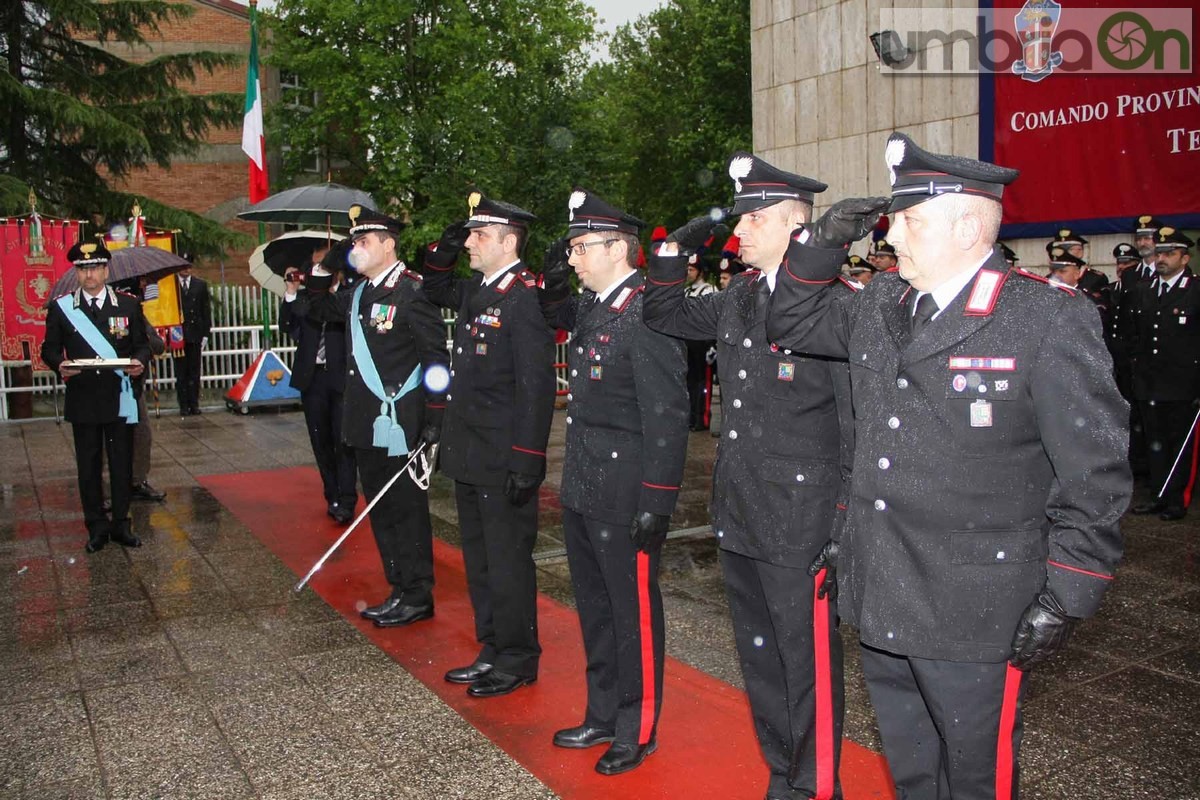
x=1097 y=144
x=32 y=258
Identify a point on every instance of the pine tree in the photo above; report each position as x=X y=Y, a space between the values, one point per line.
x=79 y=116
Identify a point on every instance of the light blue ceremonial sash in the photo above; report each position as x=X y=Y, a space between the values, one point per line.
x=387 y=431
x=103 y=348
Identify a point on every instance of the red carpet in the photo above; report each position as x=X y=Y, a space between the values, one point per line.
x=707 y=747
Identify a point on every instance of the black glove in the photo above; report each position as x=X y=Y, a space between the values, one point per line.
x=556 y=270
x=521 y=488
x=826 y=560
x=1042 y=631
x=449 y=246
x=430 y=434
x=847 y=221
x=695 y=232
x=649 y=530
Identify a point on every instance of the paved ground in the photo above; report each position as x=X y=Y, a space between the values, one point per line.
x=187 y=669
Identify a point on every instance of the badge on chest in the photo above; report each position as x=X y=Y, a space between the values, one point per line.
x=118 y=327
x=383 y=317
x=981 y=414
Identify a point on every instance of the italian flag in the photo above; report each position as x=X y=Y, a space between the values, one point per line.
x=253 y=141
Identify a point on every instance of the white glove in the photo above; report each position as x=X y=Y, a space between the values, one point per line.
x=203 y=344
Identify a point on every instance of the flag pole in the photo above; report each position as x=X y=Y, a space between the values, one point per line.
x=255 y=148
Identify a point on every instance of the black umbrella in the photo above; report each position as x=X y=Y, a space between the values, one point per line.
x=128 y=263
x=270 y=261
x=315 y=204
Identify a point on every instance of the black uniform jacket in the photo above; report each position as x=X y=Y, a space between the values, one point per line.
x=990 y=454
x=627 y=408
x=1121 y=332
x=502 y=391
x=1166 y=352
x=294 y=318
x=197 y=309
x=416 y=336
x=93 y=396
x=776 y=479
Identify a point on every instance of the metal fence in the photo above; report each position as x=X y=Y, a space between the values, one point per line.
x=235 y=341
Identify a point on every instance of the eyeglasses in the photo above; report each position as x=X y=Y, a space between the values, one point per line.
x=581 y=248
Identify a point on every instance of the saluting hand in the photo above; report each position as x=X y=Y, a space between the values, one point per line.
x=556 y=268
x=695 y=232
x=847 y=221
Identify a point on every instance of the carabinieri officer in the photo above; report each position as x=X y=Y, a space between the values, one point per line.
x=494 y=438
x=396 y=380
x=627 y=413
x=96 y=321
x=982 y=524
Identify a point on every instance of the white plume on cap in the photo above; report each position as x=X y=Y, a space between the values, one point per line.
x=575 y=202
x=893 y=154
x=738 y=169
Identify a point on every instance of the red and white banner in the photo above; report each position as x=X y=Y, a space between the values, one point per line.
x=33 y=255
x=1099 y=109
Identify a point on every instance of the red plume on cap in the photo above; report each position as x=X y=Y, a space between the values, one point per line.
x=641 y=262
x=659 y=235
x=732 y=245
x=881 y=229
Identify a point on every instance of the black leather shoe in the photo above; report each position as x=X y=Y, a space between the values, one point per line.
x=386 y=607
x=144 y=491
x=468 y=674
x=1149 y=508
x=122 y=535
x=623 y=757
x=1173 y=514
x=404 y=614
x=106 y=505
x=341 y=514
x=96 y=541
x=496 y=683
x=582 y=736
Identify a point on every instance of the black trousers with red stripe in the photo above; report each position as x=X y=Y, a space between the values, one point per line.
x=699 y=384
x=791 y=658
x=1166 y=424
x=621 y=616
x=950 y=729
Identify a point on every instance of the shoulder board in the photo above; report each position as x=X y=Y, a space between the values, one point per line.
x=126 y=294
x=528 y=278
x=1024 y=273
x=416 y=277
x=750 y=275
x=624 y=297
x=506 y=283
x=984 y=291
x=848 y=284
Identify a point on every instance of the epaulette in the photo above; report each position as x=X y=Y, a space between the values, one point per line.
x=126 y=294
x=528 y=278
x=848 y=284
x=624 y=297
x=749 y=274
x=1024 y=273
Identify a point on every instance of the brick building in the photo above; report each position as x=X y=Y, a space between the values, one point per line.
x=213 y=182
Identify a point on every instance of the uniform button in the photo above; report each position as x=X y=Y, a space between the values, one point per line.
x=449 y=398
x=570 y=396
x=894 y=423
x=880 y=505
x=452 y=373
x=901 y=383
x=733 y=434
x=578 y=349
x=351 y=372
x=1156 y=326
x=614 y=454
x=597 y=356
x=569 y=420
x=1000 y=556
x=746 y=342
x=1154 y=352
x=800 y=478
x=459 y=350
x=574 y=373
x=884 y=463
x=742 y=374
x=737 y=403
x=864 y=356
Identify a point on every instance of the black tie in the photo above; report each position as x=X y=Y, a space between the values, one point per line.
x=926 y=308
x=94 y=308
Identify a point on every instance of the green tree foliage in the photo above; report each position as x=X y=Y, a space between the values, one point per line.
x=419 y=101
x=80 y=116
x=663 y=115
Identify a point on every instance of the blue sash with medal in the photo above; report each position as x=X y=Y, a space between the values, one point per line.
x=104 y=349
x=387 y=431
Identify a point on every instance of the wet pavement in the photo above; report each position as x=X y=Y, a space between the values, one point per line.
x=187 y=668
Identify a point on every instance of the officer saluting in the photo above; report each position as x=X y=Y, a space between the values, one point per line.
x=396 y=379
x=496 y=427
x=96 y=321
x=778 y=479
x=1166 y=375
x=982 y=524
x=626 y=443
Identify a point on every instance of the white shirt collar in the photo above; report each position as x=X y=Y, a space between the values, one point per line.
x=87 y=298
x=1170 y=283
x=944 y=295
x=498 y=274
x=603 y=296
x=381 y=277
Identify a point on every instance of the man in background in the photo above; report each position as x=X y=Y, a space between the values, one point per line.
x=196 y=303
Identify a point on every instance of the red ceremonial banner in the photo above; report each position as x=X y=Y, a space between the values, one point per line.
x=33 y=255
x=1098 y=105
